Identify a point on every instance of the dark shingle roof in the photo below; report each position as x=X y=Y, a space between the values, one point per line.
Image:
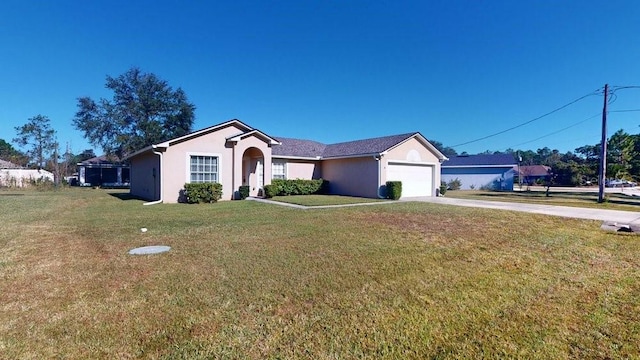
x=308 y=148
x=298 y=148
x=481 y=160
x=364 y=147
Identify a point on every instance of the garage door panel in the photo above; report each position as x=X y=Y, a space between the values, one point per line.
x=417 y=180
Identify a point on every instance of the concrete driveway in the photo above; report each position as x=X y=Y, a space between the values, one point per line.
x=613 y=216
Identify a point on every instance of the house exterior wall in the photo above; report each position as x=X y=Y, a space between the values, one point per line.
x=143 y=182
x=302 y=169
x=496 y=178
x=412 y=151
x=352 y=176
x=176 y=162
x=175 y=169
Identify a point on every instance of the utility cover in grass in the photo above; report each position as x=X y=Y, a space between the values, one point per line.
x=148 y=250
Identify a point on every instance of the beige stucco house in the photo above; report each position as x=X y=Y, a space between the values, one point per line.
x=235 y=154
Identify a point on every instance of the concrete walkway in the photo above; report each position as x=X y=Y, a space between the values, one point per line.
x=613 y=216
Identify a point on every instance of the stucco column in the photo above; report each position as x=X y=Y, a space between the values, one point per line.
x=236 y=165
x=267 y=167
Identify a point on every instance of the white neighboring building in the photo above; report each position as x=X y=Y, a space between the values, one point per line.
x=12 y=175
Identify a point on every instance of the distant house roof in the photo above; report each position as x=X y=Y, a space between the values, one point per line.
x=102 y=159
x=535 y=170
x=8 y=165
x=482 y=160
x=313 y=149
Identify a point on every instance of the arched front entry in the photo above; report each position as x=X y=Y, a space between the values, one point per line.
x=253 y=170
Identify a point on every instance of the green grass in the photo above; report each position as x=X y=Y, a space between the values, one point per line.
x=324 y=200
x=251 y=280
x=556 y=197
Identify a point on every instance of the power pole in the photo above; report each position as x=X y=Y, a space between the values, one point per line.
x=602 y=173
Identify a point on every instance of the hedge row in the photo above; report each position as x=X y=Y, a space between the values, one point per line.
x=280 y=187
x=202 y=192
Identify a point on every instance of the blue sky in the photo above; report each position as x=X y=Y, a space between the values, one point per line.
x=335 y=71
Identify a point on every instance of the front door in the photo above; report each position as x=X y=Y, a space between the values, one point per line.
x=260 y=175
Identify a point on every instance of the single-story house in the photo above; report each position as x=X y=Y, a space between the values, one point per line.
x=484 y=171
x=12 y=175
x=234 y=154
x=531 y=174
x=101 y=171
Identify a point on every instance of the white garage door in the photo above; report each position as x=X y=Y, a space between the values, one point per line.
x=417 y=179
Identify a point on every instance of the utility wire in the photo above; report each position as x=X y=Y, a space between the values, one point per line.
x=573 y=125
x=618 y=87
x=558 y=131
x=596 y=92
x=627 y=110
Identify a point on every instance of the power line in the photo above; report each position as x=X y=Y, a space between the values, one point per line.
x=619 y=87
x=620 y=111
x=558 y=131
x=596 y=92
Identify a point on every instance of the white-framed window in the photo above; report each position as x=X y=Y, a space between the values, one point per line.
x=278 y=170
x=203 y=169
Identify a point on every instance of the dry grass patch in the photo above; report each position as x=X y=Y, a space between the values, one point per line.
x=249 y=280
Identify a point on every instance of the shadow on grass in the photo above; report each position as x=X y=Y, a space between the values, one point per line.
x=125 y=196
x=11 y=194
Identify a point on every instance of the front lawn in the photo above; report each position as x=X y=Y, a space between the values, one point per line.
x=323 y=200
x=251 y=280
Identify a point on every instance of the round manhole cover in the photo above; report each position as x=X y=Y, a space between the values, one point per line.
x=147 y=250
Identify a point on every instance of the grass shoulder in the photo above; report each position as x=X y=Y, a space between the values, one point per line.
x=557 y=197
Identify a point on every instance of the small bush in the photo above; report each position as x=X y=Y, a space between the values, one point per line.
x=42 y=183
x=394 y=190
x=443 y=188
x=297 y=187
x=202 y=192
x=243 y=191
x=270 y=191
x=454 y=184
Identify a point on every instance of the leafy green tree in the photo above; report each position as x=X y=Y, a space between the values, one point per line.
x=144 y=110
x=40 y=139
x=445 y=150
x=85 y=155
x=11 y=154
x=620 y=155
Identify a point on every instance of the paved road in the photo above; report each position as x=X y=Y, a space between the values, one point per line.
x=614 y=216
